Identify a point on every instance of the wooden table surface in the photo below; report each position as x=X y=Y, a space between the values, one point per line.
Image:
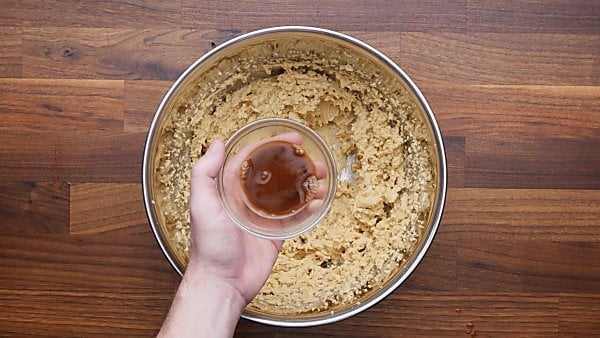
x=515 y=88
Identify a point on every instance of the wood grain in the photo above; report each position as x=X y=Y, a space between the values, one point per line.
x=74 y=157
x=90 y=13
x=83 y=285
x=500 y=58
x=579 y=314
x=439 y=314
x=66 y=313
x=455 y=158
x=107 y=208
x=48 y=105
x=514 y=86
x=102 y=53
x=30 y=208
x=523 y=162
x=500 y=110
x=437 y=270
x=517 y=214
x=552 y=16
x=410 y=15
x=141 y=102
x=527 y=265
x=11 y=40
x=83 y=263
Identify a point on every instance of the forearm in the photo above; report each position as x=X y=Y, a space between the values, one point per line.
x=204 y=306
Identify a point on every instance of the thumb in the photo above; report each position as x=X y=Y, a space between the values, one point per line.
x=204 y=200
x=210 y=163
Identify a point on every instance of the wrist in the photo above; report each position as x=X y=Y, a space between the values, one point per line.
x=198 y=282
x=203 y=303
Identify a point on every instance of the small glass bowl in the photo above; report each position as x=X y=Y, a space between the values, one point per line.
x=231 y=193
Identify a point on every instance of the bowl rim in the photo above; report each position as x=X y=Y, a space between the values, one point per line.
x=442 y=178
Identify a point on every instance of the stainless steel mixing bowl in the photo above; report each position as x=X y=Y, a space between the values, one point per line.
x=184 y=87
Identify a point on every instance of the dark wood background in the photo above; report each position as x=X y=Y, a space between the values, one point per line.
x=515 y=87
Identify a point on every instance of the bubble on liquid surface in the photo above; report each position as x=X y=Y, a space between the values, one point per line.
x=264 y=177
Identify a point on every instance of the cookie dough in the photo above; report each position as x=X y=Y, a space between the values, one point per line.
x=382 y=148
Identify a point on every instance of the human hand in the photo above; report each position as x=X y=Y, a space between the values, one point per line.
x=227 y=266
x=219 y=249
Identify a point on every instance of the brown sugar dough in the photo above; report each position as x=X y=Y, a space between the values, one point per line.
x=377 y=216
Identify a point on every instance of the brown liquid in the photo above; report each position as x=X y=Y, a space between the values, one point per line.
x=278 y=178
